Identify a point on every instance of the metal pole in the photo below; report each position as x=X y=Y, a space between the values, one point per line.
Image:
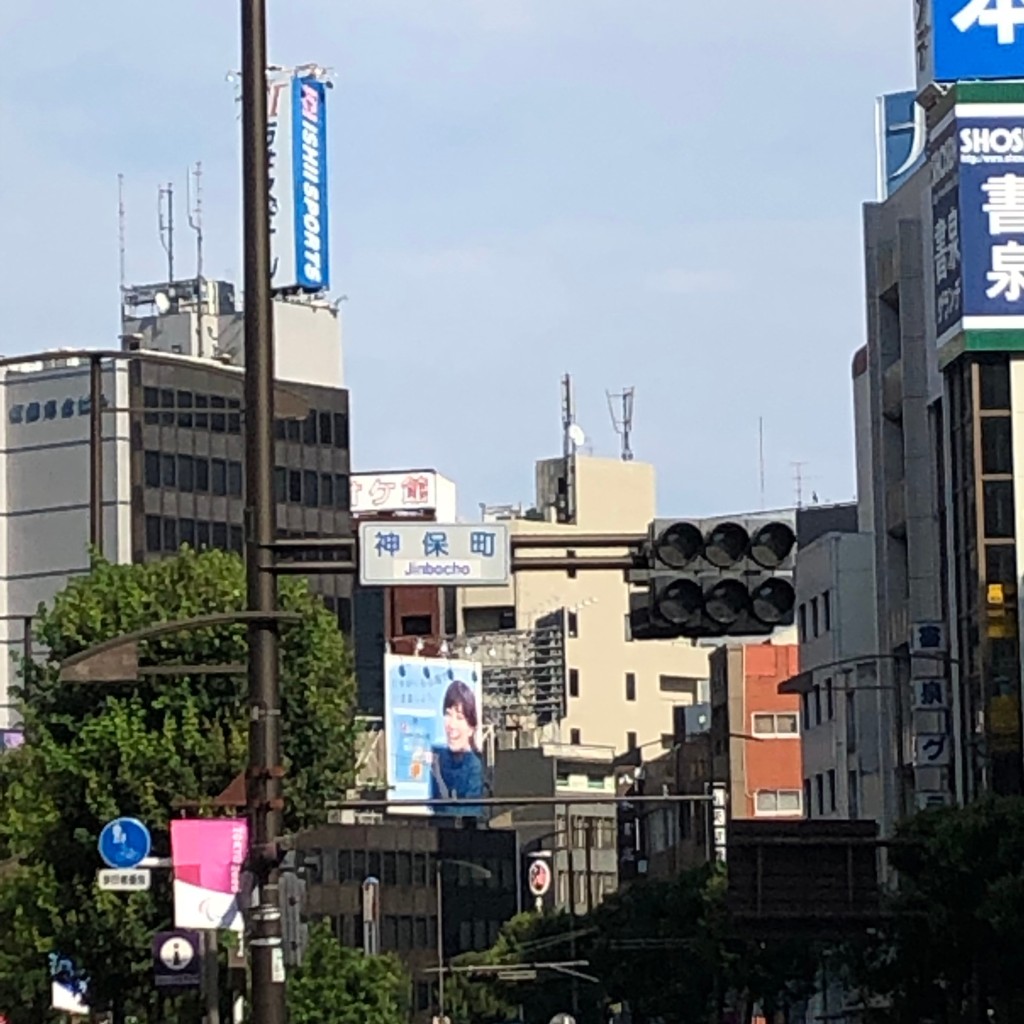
x=440 y=942
x=264 y=776
x=96 y=453
x=210 y=978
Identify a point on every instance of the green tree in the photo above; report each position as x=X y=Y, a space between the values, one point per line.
x=950 y=946
x=340 y=985
x=95 y=751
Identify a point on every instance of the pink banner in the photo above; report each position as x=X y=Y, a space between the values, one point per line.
x=207 y=856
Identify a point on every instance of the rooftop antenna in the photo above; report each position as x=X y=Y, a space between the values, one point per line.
x=760 y=455
x=572 y=437
x=623 y=422
x=798 y=482
x=121 y=245
x=165 y=224
x=194 y=198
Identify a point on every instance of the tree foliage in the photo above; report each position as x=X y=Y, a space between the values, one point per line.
x=96 y=751
x=951 y=944
x=340 y=985
x=665 y=949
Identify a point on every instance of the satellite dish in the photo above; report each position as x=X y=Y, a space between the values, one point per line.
x=576 y=434
x=162 y=302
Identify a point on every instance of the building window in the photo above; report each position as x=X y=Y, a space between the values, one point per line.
x=778 y=803
x=631 y=741
x=832 y=789
x=854 y=796
x=202 y=467
x=819 y=785
x=170 y=527
x=220 y=536
x=574 y=682
x=168 y=470
x=310 y=489
x=994 y=385
x=630 y=686
x=202 y=420
x=996 y=445
x=802 y=623
x=998 y=508
x=340 y=430
x=219 y=476
x=807 y=796
x=805 y=709
x=218 y=421
x=235 y=479
x=186 y=473
x=815 y=625
x=326 y=490
x=826 y=610
x=830 y=706
x=151 y=469
x=573 y=624
x=783 y=724
x=294 y=486
x=816 y=693
x=154 y=536
x=574 y=737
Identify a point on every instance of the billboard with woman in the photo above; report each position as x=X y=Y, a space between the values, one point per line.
x=433 y=714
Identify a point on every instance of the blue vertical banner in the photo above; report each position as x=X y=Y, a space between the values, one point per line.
x=309 y=167
x=964 y=40
x=947 y=261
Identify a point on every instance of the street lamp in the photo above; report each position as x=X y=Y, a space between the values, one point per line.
x=474 y=869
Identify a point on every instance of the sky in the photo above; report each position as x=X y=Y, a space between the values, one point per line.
x=662 y=194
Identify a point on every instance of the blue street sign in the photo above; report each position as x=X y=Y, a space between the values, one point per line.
x=124 y=843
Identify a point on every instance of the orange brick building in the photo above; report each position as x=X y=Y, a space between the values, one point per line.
x=755 y=731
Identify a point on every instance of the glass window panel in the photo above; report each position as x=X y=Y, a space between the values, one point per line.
x=767 y=800
x=219 y=476
x=786 y=724
x=202 y=467
x=994 y=385
x=168 y=470
x=154 y=533
x=186 y=473
x=998 y=508
x=764 y=725
x=235 y=479
x=996 y=445
x=151 y=469
x=220 y=535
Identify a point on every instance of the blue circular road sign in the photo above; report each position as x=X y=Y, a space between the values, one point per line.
x=124 y=843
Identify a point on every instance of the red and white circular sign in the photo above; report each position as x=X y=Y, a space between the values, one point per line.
x=539 y=877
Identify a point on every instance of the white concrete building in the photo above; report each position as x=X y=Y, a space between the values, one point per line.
x=619 y=693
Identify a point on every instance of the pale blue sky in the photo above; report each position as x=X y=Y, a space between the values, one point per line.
x=658 y=193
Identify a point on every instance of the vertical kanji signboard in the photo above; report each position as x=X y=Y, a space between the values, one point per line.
x=977 y=165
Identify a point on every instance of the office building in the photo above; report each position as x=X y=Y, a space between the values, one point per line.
x=171 y=450
x=478 y=871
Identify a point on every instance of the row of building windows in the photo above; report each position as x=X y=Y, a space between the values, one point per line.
x=400 y=867
x=822 y=788
x=167 y=535
x=201 y=475
x=51 y=408
x=222 y=415
x=814 y=617
x=666 y=684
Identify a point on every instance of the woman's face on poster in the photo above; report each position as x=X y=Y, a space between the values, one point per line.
x=457 y=730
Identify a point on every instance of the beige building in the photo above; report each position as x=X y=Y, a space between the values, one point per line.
x=619 y=693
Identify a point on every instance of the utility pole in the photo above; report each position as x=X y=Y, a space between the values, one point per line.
x=264 y=786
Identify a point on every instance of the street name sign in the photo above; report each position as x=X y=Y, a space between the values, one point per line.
x=394 y=554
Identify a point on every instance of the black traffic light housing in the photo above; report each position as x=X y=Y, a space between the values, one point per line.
x=727 y=576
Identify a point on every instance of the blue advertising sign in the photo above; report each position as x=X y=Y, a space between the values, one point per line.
x=964 y=40
x=309 y=166
x=124 y=843
x=433 y=721
x=947 y=259
x=979 y=234
x=902 y=140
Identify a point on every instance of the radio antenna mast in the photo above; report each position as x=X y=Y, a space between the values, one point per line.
x=165 y=224
x=194 y=198
x=121 y=245
x=623 y=421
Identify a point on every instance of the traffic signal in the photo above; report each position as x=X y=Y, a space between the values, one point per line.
x=715 y=578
